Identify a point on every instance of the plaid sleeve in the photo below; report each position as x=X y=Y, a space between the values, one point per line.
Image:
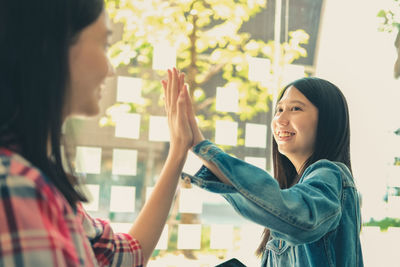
x=37 y=228
x=110 y=249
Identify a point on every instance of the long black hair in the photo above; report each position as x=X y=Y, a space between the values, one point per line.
x=332 y=138
x=35 y=38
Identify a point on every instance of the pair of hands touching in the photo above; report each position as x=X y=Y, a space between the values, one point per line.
x=184 y=131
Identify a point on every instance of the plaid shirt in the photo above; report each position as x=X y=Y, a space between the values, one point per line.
x=39 y=228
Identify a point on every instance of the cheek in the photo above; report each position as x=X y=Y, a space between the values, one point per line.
x=273 y=127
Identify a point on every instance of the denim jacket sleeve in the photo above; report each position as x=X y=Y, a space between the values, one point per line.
x=301 y=214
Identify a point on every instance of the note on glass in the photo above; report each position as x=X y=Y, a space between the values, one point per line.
x=249 y=233
x=192 y=164
x=164 y=56
x=226 y=133
x=221 y=236
x=163 y=241
x=158 y=130
x=119 y=227
x=124 y=162
x=292 y=72
x=259 y=69
x=257 y=161
x=94 y=190
x=256 y=135
x=88 y=159
x=129 y=89
x=190 y=200
x=227 y=99
x=127 y=125
x=122 y=198
x=189 y=236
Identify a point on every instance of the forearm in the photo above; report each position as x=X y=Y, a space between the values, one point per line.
x=214 y=169
x=151 y=220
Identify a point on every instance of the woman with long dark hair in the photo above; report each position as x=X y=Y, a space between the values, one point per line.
x=53 y=65
x=310 y=207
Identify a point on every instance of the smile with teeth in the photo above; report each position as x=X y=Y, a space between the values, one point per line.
x=284 y=134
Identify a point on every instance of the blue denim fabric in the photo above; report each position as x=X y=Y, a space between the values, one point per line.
x=314 y=223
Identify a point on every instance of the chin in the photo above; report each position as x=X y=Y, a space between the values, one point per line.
x=86 y=113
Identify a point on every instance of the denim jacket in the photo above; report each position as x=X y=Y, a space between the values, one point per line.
x=313 y=223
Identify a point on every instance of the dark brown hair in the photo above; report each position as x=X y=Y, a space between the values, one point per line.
x=332 y=139
x=35 y=39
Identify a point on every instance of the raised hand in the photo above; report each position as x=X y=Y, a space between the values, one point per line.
x=176 y=99
x=197 y=135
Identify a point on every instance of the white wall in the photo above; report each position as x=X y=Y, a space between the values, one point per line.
x=359 y=59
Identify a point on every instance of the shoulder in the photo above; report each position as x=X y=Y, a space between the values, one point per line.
x=329 y=169
x=22 y=179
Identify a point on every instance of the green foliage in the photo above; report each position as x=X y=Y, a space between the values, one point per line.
x=208 y=40
x=384 y=224
x=390 y=18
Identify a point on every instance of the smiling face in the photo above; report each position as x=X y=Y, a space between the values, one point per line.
x=89 y=66
x=295 y=126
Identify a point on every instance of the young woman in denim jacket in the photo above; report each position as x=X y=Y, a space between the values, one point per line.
x=310 y=206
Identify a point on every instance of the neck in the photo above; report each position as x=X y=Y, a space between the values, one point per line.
x=298 y=162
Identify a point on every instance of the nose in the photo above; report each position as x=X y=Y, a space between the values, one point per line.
x=282 y=119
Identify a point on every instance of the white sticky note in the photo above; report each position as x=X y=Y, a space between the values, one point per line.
x=127 y=126
x=248 y=234
x=259 y=69
x=88 y=159
x=257 y=161
x=129 y=89
x=158 y=129
x=190 y=201
x=163 y=241
x=164 y=56
x=226 y=133
x=94 y=190
x=119 y=227
x=122 y=198
x=256 y=135
x=189 y=236
x=292 y=72
x=124 y=162
x=193 y=163
x=227 y=99
x=221 y=236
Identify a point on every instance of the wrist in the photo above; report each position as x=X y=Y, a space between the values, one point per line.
x=178 y=151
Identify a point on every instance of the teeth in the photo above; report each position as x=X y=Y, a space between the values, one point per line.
x=285 y=134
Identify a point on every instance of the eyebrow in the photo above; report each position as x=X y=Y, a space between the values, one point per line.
x=293 y=102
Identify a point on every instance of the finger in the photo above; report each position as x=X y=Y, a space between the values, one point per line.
x=174 y=89
x=189 y=107
x=182 y=108
x=181 y=81
x=168 y=89
x=164 y=85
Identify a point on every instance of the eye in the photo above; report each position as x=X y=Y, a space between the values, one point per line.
x=296 y=108
x=278 y=110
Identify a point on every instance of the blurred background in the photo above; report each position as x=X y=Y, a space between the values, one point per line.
x=237 y=55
